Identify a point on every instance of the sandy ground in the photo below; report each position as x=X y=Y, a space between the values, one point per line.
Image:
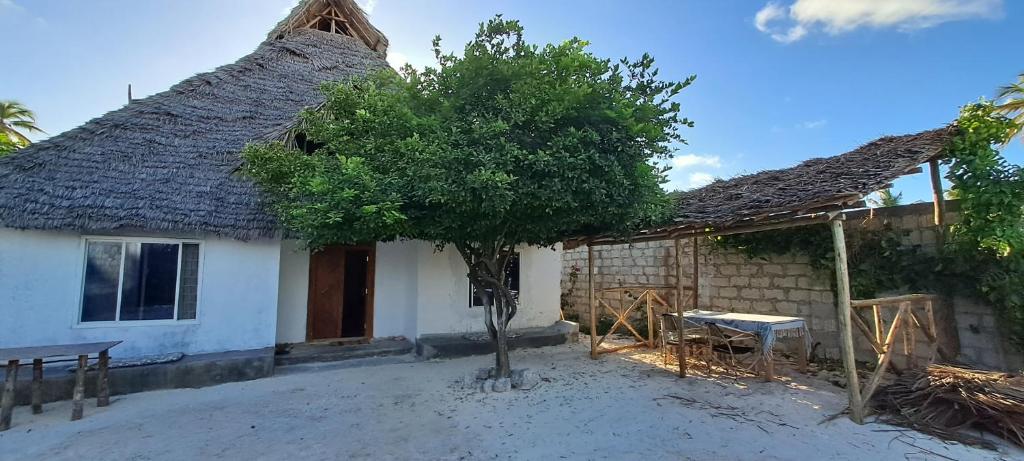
x=622 y=406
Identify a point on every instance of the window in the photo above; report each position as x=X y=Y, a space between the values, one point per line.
x=511 y=281
x=128 y=280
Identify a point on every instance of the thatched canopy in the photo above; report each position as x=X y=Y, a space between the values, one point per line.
x=802 y=193
x=168 y=163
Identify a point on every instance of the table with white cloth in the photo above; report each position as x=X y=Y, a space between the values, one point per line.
x=768 y=328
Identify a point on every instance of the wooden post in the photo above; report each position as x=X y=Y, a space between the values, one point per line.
x=939 y=201
x=801 y=354
x=909 y=338
x=845 y=330
x=681 y=348
x=593 y=307
x=102 y=382
x=77 y=407
x=7 y=399
x=37 y=386
x=695 y=280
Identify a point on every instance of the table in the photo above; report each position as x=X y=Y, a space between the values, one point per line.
x=768 y=327
x=13 y=356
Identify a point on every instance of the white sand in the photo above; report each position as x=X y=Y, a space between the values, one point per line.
x=613 y=408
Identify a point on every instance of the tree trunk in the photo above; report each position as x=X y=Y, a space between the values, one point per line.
x=487 y=274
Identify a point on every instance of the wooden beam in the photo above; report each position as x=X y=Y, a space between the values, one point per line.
x=845 y=330
x=7 y=398
x=891 y=300
x=681 y=348
x=885 y=357
x=593 y=308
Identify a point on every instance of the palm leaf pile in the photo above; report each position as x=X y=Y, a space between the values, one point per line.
x=945 y=400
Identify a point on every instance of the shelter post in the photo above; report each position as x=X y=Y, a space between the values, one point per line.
x=681 y=348
x=939 y=201
x=844 y=312
x=592 y=302
x=696 y=274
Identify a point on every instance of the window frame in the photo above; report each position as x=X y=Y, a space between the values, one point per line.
x=124 y=241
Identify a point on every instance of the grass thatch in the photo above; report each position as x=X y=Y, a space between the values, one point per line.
x=167 y=163
x=842 y=179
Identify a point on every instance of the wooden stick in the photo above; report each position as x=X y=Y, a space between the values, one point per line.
x=593 y=307
x=885 y=357
x=681 y=350
x=845 y=332
x=77 y=406
x=879 y=324
x=801 y=354
x=102 y=382
x=37 y=386
x=909 y=339
x=863 y=327
x=650 y=320
x=7 y=399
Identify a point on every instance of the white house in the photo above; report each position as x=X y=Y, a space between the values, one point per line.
x=136 y=226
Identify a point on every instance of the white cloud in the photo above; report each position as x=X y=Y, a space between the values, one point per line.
x=9 y=4
x=397 y=59
x=787 y=25
x=688 y=160
x=699 y=179
x=368 y=5
x=812 y=124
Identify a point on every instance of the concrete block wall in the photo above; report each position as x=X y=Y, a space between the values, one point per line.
x=788 y=285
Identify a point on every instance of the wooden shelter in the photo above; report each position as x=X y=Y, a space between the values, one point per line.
x=815 y=191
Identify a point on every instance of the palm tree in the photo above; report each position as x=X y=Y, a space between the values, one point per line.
x=886 y=199
x=15 y=118
x=1010 y=102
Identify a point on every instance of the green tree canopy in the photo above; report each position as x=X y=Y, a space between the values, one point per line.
x=15 y=121
x=508 y=144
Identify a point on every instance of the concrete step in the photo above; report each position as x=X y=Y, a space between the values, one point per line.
x=320 y=353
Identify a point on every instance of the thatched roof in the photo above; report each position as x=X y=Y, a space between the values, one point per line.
x=168 y=163
x=840 y=180
x=801 y=194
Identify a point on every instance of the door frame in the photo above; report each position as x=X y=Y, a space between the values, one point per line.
x=371 y=273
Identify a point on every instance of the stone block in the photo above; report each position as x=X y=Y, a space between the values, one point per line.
x=728 y=270
x=786 y=307
x=774 y=294
x=784 y=282
x=799 y=295
x=750 y=293
x=772 y=269
x=760 y=282
x=739 y=281
x=729 y=292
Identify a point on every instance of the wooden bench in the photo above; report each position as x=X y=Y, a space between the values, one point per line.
x=13 y=356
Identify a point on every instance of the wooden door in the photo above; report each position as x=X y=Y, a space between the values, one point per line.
x=340 y=293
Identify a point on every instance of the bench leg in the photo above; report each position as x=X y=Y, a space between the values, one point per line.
x=102 y=383
x=7 y=400
x=77 y=407
x=801 y=353
x=37 y=386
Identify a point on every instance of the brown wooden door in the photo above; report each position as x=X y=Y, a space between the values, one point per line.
x=340 y=293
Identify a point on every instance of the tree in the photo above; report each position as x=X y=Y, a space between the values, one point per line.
x=509 y=144
x=15 y=117
x=886 y=198
x=1010 y=103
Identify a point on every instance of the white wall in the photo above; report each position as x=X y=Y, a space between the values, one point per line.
x=292 y=293
x=444 y=291
x=40 y=287
x=419 y=291
x=395 y=289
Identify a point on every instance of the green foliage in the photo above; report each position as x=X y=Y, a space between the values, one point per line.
x=1011 y=105
x=982 y=256
x=15 y=121
x=6 y=145
x=508 y=144
x=886 y=198
x=987 y=241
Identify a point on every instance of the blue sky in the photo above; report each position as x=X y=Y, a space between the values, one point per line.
x=777 y=82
